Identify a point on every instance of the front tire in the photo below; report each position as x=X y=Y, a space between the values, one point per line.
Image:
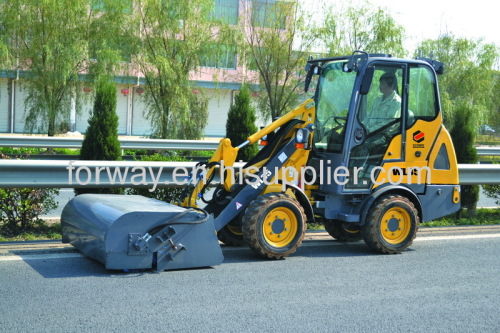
x=391 y=224
x=274 y=225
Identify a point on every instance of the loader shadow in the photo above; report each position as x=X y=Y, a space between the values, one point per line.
x=73 y=266
x=76 y=266
x=317 y=249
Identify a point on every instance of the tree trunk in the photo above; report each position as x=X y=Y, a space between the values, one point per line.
x=52 y=124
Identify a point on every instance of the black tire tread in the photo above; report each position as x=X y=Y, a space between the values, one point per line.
x=229 y=238
x=370 y=230
x=250 y=228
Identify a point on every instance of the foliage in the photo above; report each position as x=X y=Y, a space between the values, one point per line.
x=101 y=139
x=493 y=191
x=41 y=231
x=468 y=76
x=366 y=28
x=174 y=37
x=240 y=124
x=484 y=216
x=160 y=193
x=278 y=40
x=192 y=125
x=463 y=135
x=37 y=151
x=20 y=209
x=51 y=43
x=494 y=119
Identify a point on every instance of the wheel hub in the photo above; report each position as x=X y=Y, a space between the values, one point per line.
x=278 y=226
x=395 y=225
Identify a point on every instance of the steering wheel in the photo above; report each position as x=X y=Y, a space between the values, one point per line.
x=320 y=126
x=337 y=119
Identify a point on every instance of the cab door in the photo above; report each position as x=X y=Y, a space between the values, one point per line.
x=379 y=130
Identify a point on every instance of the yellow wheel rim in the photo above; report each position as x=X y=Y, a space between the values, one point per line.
x=280 y=227
x=235 y=230
x=395 y=225
x=351 y=231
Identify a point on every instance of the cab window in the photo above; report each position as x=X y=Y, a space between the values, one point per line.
x=422 y=101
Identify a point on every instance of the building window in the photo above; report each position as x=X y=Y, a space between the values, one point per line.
x=226 y=10
x=270 y=14
x=219 y=56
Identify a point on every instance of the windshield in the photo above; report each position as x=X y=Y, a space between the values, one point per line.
x=335 y=89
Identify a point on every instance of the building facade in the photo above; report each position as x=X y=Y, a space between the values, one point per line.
x=131 y=105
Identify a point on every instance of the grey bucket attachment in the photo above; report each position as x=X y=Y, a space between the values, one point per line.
x=135 y=232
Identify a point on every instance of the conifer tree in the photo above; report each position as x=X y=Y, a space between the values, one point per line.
x=463 y=135
x=101 y=139
x=241 y=124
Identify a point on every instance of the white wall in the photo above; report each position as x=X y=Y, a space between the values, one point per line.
x=19 y=108
x=4 y=105
x=130 y=110
x=82 y=119
x=218 y=107
x=140 y=125
x=122 y=106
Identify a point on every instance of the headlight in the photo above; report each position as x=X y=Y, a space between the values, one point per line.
x=300 y=135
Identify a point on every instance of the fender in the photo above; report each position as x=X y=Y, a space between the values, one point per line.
x=379 y=191
x=304 y=201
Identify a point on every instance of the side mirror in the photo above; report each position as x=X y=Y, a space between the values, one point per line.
x=366 y=82
x=312 y=70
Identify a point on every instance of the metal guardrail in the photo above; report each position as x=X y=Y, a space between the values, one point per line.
x=70 y=174
x=488 y=151
x=143 y=143
x=125 y=143
x=479 y=174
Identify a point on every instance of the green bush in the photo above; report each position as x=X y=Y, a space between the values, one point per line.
x=101 y=139
x=20 y=209
x=463 y=136
x=493 y=191
x=241 y=124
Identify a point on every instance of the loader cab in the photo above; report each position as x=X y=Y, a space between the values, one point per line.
x=372 y=110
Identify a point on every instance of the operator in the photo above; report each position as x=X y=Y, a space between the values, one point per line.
x=386 y=110
x=387 y=106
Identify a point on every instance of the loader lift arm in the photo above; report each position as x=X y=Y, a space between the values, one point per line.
x=226 y=154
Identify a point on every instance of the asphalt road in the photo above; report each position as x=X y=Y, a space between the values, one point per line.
x=447 y=282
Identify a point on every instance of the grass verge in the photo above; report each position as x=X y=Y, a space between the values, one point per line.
x=43 y=231
x=484 y=216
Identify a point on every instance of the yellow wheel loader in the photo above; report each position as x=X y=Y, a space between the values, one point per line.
x=368 y=156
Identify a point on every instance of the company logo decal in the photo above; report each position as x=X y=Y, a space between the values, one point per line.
x=418 y=136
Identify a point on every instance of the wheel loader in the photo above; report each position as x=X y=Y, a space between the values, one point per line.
x=367 y=156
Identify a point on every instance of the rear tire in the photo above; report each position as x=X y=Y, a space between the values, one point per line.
x=343 y=232
x=391 y=224
x=231 y=235
x=274 y=225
